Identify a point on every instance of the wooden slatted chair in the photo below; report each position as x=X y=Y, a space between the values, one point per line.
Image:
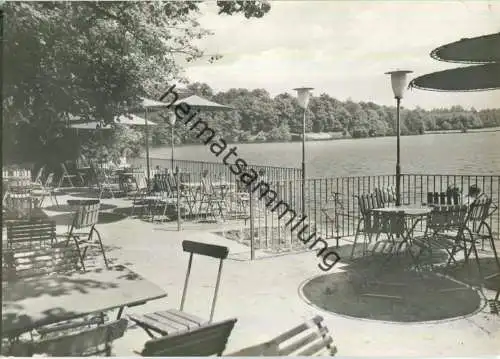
x=447 y=230
x=47 y=190
x=212 y=199
x=207 y=340
x=30 y=251
x=173 y=320
x=386 y=195
x=90 y=342
x=308 y=339
x=366 y=226
x=66 y=176
x=83 y=228
x=479 y=212
x=38 y=180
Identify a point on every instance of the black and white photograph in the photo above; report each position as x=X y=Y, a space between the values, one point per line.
x=250 y=178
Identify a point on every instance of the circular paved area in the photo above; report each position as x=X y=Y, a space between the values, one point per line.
x=396 y=297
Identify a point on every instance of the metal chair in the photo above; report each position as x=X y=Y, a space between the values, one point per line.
x=207 y=340
x=83 y=228
x=366 y=224
x=90 y=342
x=447 y=230
x=307 y=339
x=173 y=320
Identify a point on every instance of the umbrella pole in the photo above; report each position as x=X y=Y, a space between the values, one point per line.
x=147 y=145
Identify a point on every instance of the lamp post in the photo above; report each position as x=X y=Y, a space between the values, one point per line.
x=398 y=82
x=172 y=119
x=303 y=96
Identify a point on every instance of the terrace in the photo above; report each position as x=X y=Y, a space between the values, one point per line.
x=148 y=243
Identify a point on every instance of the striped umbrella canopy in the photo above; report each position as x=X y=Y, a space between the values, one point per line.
x=129 y=120
x=472 y=78
x=477 y=50
x=197 y=102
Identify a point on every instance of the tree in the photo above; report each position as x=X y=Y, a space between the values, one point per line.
x=91 y=60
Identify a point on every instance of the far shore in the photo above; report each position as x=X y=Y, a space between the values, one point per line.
x=322 y=136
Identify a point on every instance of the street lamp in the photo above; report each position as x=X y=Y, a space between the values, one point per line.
x=172 y=117
x=398 y=82
x=303 y=96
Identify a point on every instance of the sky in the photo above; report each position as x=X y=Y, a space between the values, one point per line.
x=343 y=48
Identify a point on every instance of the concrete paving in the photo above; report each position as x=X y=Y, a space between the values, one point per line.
x=264 y=295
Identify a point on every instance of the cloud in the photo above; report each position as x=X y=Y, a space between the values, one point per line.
x=342 y=47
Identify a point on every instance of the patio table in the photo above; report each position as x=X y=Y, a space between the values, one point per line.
x=29 y=304
x=410 y=213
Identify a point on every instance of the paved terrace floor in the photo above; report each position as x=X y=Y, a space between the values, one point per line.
x=264 y=295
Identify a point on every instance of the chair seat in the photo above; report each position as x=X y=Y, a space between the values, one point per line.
x=169 y=321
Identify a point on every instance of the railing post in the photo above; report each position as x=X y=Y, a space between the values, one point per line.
x=252 y=237
x=177 y=178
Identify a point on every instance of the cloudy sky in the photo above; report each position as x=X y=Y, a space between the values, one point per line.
x=343 y=48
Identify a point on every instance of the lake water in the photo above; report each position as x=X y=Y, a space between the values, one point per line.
x=469 y=153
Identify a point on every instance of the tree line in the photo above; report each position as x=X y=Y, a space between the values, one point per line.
x=258 y=117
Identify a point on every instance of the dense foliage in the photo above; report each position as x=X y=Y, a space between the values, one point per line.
x=90 y=60
x=259 y=117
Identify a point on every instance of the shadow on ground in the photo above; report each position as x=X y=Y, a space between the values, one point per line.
x=469 y=273
x=365 y=291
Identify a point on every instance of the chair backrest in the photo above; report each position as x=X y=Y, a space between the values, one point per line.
x=86 y=214
x=210 y=339
x=204 y=249
x=49 y=181
x=30 y=234
x=447 y=217
x=479 y=210
x=369 y=201
x=386 y=194
x=162 y=184
x=39 y=175
x=90 y=342
x=308 y=339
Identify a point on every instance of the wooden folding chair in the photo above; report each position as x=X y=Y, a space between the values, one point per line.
x=38 y=180
x=173 y=320
x=90 y=342
x=308 y=339
x=207 y=340
x=447 y=230
x=47 y=190
x=366 y=226
x=479 y=212
x=83 y=228
x=66 y=176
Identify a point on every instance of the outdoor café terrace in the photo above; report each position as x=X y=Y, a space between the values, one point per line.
x=93 y=249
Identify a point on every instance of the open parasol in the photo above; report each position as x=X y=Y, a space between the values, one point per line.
x=476 y=50
x=483 y=50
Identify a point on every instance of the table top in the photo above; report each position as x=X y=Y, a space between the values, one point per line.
x=408 y=210
x=29 y=304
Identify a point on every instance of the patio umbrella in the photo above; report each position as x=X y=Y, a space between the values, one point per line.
x=198 y=103
x=478 y=50
x=471 y=78
x=484 y=50
x=201 y=103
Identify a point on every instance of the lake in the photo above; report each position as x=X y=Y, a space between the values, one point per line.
x=457 y=153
